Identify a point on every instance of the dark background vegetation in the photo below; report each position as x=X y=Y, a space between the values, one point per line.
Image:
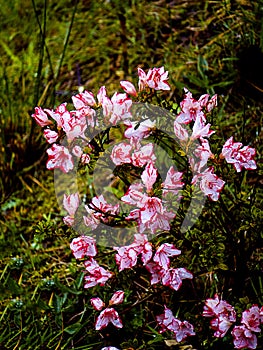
x=48 y=50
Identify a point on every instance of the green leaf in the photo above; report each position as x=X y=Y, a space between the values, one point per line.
x=64 y=288
x=158 y=338
x=12 y=203
x=79 y=280
x=58 y=303
x=73 y=328
x=222 y=266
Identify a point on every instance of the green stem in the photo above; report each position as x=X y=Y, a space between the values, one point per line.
x=66 y=40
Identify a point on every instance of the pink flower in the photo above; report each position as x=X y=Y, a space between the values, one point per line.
x=203 y=153
x=156 y=271
x=212 y=103
x=50 y=135
x=180 y=329
x=190 y=108
x=139 y=130
x=61 y=115
x=261 y=314
x=165 y=320
x=223 y=315
x=244 y=338
x=210 y=184
x=85 y=158
x=105 y=317
x=143 y=247
x=157 y=79
x=84 y=99
x=121 y=107
x=180 y=132
x=59 y=157
x=203 y=100
x=149 y=207
x=83 y=246
x=142 y=79
x=128 y=87
x=109 y=348
x=120 y=153
x=229 y=148
x=102 y=209
x=134 y=194
x=163 y=253
x=127 y=255
x=102 y=94
x=75 y=127
x=117 y=298
x=90 y=220
x=97 y=303
x=215 y=307
x=251 y=318
x=173 y=278
x=172 y=183
x=77 y=151
x=71 y=203
x=200 y=129
x=105 y=102
x=221 y=324
x=161 y=221
x=206 y=103
x=68 y=220
x=97 y=274
x=41 y=117
x=143 y=155
x=151 y=215
x=149 y=176
x=88 y=115
x=239 y=157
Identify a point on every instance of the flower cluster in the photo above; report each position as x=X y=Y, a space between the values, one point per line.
x=193 y=111
x=127 y=256
x=73 y=124
x=149 y=197
x=240 y=157
x=224 y=316
x=180 y=329
x=109 y=314
x=244 y=335
x=190 y=128
x=158 y=267
x=95 y=274
x=151 y=212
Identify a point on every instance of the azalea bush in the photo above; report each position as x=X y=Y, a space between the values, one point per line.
x=141 y=239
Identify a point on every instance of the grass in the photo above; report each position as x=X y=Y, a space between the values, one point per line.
x=48 y=51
